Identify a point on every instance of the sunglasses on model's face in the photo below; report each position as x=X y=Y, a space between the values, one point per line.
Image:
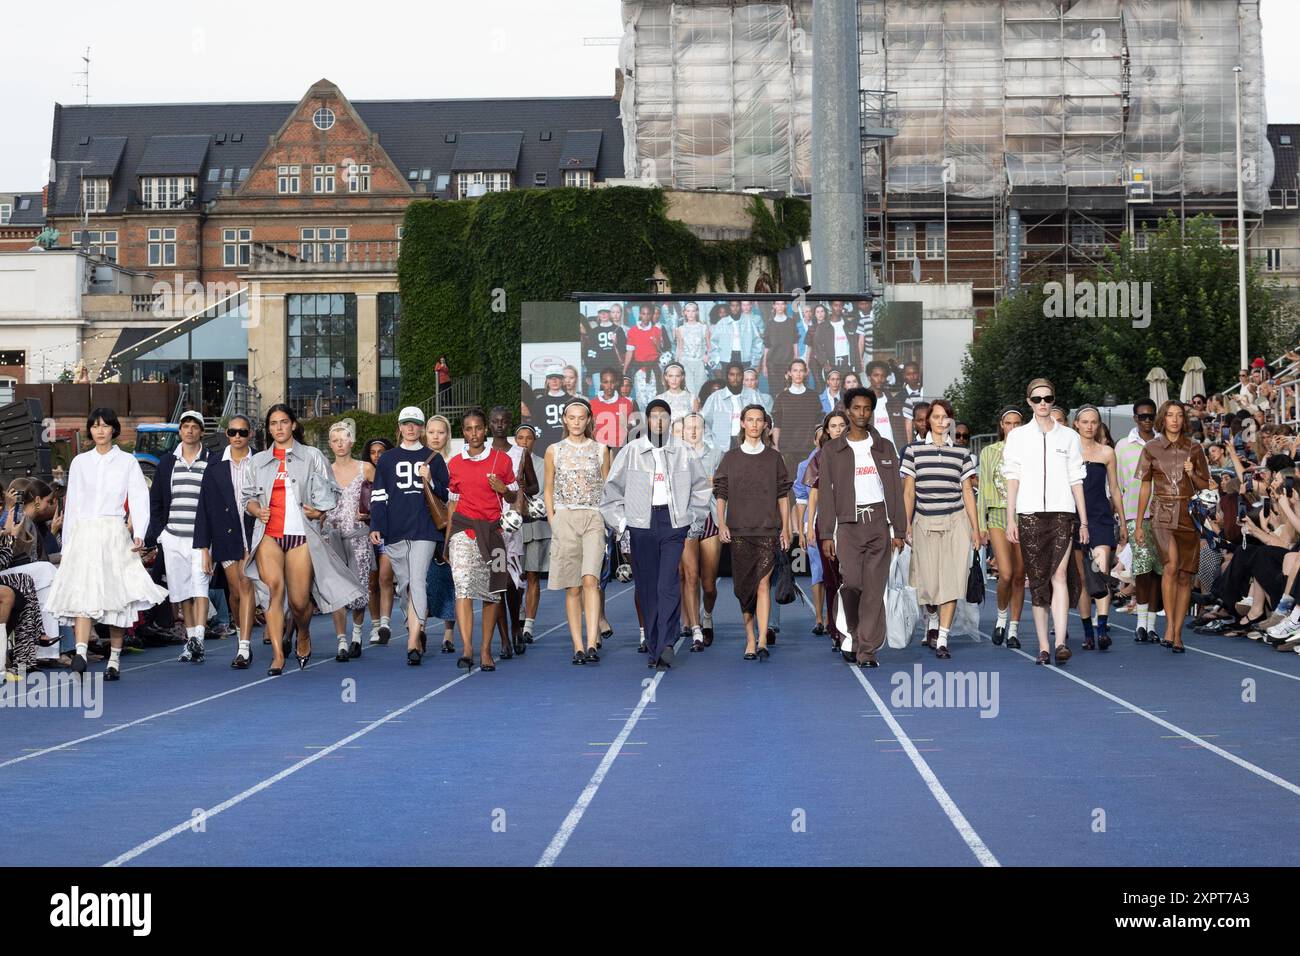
x=963 y=436
x=1145 y=418
x=237 y=432
x=1039 y=399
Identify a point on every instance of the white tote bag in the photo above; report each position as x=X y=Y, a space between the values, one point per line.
x=901 y=611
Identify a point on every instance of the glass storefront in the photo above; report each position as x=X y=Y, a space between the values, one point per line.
x=207 y=361
x=322 y=351
x=390 y=367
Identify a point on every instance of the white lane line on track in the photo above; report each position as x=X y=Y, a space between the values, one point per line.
x=1185 y=734
x=946 y=803
x=570 y=823
x=257 y=788
x=1225 y=657
x=306 y=761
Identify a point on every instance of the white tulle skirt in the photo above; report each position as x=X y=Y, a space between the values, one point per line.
x=100 y=578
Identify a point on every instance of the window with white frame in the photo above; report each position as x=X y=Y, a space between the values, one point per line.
x=935 y=235
x=99 y=243
x=94 y=194
x=237 y=246
x=904 y=240
x=289 y=179
x=165 y=192
x=324 y=244
x=8 y=387
x=322 y=179
x=1290 y=198
x=359 y=178
x=1272 y=260
x=6 y=212
x=1141 y=240
x=162 y=247
x=577 y=178
x=491 y=182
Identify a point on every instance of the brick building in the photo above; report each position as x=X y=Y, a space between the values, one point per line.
x=22 y=217
x=273 y=229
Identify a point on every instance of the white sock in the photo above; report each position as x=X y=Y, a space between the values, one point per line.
x=244 y=650
x=943 y=637
x=706 y=620
x=1012 y=627
x=1003 y=614
x=697 y=633
x=642 y=635
x=83 y=650
x=528 y=625
x=932 y=621
x=197 y=632
x=356 y=633
x=114 y=656
x=383 y=622
x=1143 y=615
x=342 y=638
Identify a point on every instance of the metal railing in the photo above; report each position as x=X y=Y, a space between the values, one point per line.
x=376 y=403
x=182 y=402
x=455 y=398
x=242 y=399
x=308 y=255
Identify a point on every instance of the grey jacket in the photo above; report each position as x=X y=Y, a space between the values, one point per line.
x=629 y=489
x=333 y=585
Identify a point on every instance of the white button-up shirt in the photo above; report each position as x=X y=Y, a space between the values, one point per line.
x=101 y=486
x=1047 y=465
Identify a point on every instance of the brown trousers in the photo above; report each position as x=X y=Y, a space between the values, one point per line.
x=863 y=550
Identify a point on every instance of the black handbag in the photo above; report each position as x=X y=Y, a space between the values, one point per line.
x=975 y=581
x=783 y=591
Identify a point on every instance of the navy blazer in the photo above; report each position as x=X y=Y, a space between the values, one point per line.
x=160 y=494
x=216 y=525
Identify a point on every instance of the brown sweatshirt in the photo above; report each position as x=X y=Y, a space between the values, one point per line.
x=752 y=486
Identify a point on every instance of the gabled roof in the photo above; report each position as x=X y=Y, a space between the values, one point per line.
x=581 y=149
x=1286 y=166
x=487 y=151
x=174 y=155
x=417 y=134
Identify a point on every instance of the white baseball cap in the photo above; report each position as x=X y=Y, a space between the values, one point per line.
x=410 y=414
x=191 y=414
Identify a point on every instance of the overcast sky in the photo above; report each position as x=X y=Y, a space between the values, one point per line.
x=237 y=50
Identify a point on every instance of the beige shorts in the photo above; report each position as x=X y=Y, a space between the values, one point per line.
x=577 y=548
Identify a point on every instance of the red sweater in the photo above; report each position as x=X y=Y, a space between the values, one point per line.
x=469 y=483
x=644 y=343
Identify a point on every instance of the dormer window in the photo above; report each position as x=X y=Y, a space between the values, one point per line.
x=577 y=178
x=165 y=192
x=491 y=182
x=94 y=194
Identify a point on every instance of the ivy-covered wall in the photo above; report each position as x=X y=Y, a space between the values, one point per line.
x=467 y=267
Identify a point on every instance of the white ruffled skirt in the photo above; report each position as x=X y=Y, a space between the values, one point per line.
x=100 y=578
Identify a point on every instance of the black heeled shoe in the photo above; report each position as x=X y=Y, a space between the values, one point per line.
x=465 y=662
x=771 y=636
x=763 y=653
x=487 y=667
x=302 y=661
x=413 y=657
x=448 y=647
x=520 y=647
x=1178 y=649
x=592 y=656
x=819 y=628
x=424 y=642
x=849 y=657
x=579 y=657
x=275 y=671
x=507 y=652
x=284 y=646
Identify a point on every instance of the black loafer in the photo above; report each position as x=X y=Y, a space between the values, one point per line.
x=579 y=657
x=78 y=664
x=642 y=648
x=448 y=647
x=697 y=646
x=999 y=635
x=354 y=651
x=240 y=663
x=112 y=673
x=751 y=657
x=592 y=656
x=413 y=657
x=1013 y=642
x=819 y=629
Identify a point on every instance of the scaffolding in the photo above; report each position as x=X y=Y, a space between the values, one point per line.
x=1048 y=107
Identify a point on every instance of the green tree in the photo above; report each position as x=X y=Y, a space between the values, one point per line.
x=1194 y=311
x=1020 y=343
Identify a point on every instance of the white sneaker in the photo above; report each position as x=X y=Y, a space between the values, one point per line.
x=1283 y=630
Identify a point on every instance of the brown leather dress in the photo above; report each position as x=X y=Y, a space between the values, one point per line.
x=1162 y=463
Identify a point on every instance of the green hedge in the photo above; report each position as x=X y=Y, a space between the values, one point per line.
x=461 y=259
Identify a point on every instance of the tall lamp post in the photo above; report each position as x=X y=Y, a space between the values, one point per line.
x=1241 y=235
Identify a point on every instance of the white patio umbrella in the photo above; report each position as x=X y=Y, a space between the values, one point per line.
x=1193 y=380
x=1158 y=382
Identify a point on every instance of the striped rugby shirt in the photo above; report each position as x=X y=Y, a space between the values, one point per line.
x=938 y=471
x=187 y=478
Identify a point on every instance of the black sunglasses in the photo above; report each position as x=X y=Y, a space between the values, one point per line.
x=237 y=432
x=1145 y=418
x=1039 y=399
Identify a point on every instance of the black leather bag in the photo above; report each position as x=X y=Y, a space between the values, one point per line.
x=783 y=591
x=975 y=581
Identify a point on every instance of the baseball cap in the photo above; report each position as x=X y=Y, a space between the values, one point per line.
x=555 y=372
x=658 y=403
x=1258 y=363
x=410 y=414
x=192 y=415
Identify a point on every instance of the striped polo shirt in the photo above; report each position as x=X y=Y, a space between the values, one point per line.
x=186 y=481
x=938 y=471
